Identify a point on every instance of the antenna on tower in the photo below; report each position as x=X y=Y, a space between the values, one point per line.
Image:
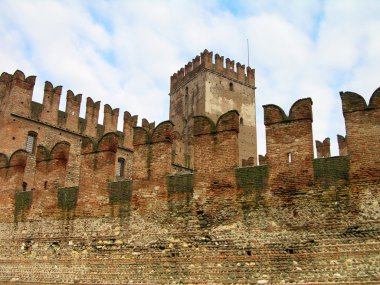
x=248 y=50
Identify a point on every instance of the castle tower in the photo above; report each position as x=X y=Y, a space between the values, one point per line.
x=204 y=88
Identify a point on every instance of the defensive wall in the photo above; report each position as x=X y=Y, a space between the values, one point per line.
x=211 y=86
x=70 y=215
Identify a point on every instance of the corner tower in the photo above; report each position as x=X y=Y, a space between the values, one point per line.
x=207 y=88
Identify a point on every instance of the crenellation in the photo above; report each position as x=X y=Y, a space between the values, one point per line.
x=250 y=76
x=206 y=59
x=110 y=118
x=273 y=114
x=5 y=77
x=323 y=148
x=196 y=63
x=219 y=63
x=18 y=92
x=230 y=68
x=21 y=80
x=129 y=123
x=289 y=144
x=92 y=116
x=301 y=110
x=262 y=159
x=181 y=74
x=73 y=103
x=352 y=102
x=134 y=203
x=188 y=68
x=342 y=145
x=363 y=132
x=145 y=124
x=374 y=101
x=221 y=66
x=50 y=105
x=240 y=70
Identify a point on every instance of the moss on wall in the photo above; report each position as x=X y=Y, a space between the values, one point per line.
x=252 y=178
x=180 y=184
x=67 y=198
x=180 y=192
x=332 y=169
x=120 y=195
x=120 y=192
x=23 y=201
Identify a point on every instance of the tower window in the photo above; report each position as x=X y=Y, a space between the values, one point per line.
x=31 y=142
x=289 y=157
x=120 y=167
x=241 y=121
x=24 y=185
x=231 y=86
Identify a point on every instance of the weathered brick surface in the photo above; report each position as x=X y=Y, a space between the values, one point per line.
x=363 y=133
x=323 y=148
x=291 y=220
x=204 y=88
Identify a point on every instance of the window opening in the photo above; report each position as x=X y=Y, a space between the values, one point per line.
x=120 y=167
x=24 y=185
x=289 y=157
x=31 y=142
x=231 y=86
x=241 y=120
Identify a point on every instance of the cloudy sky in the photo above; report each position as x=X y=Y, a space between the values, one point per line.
x=123 y=52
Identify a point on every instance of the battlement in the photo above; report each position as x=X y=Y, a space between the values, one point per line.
x=353 y=102
x=223 y=67
x=144 y=205
x=323 y=148
x=18 y=78
x=300 y=110
x=17 y=100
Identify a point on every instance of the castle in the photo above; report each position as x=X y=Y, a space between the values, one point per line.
x=186 y=201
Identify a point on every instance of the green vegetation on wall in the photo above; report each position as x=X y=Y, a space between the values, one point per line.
x=331 y=169
x=252 y=178
x=180 y=184
x=67 y=198
x=120 y=195
x=180 y=191
x=120 y=192
x=23 y=201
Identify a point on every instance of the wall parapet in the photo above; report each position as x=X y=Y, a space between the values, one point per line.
x=18 y=89
x=300 y=110
x=223 y=67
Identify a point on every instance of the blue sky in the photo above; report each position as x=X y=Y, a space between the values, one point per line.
x=123 y=52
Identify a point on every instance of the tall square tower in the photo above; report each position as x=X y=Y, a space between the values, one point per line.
x=207 y=88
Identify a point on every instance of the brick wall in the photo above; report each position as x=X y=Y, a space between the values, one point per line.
x=291 y=220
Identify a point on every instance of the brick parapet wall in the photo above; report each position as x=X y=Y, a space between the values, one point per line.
x=204 y=62
x=363 y=132
x=300 y=221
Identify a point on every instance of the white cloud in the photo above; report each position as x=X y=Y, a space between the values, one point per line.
x=123 y=52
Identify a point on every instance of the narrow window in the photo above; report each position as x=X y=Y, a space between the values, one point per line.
x=31 y=142
x=120 y=167
x=231 y=86
x=241 y=120
x=289 y=157
x=24 y=185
